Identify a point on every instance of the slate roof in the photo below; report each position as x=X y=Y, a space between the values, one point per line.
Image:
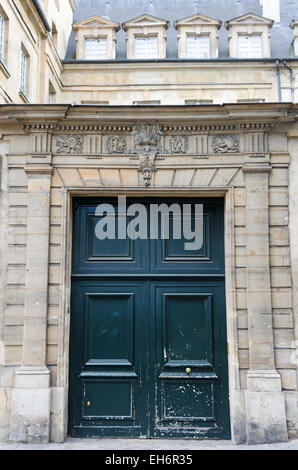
x=172 y=10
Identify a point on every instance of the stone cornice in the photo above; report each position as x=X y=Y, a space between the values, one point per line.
x=208 y=118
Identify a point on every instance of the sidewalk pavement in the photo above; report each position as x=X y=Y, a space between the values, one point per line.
x=152 y=445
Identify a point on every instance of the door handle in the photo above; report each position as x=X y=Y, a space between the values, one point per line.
x=188 y=370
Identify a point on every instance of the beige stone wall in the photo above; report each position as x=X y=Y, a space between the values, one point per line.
x=175 y=83
x=26 y=28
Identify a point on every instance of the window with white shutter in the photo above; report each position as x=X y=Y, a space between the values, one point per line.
x=2 y=38
x=250 y=46
x=24 y=71
x=198 y=47
x=146 y=48
x=96 y=49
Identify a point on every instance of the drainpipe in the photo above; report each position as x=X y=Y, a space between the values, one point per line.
x=291 y=79
x=278 y=80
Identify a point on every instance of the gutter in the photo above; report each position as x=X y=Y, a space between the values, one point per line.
x=291 y=79
x=177 y=60
x=278 y=80
x=42 y=15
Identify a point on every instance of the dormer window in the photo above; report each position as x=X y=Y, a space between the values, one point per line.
x=146 y=37
x=249 y=36
x=198 y=37
x=198 y=47
x=146 y=48
x=96 y=49
x=96 y=39
x=250 y=46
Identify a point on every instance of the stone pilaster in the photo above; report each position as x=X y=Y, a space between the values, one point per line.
x=30 y=417
x=265 y=402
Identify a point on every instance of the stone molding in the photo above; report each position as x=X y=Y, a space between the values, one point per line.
x=257 y=125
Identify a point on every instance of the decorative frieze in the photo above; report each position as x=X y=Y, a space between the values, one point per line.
x=178 y=144
x=69 y=144
x=226 y=143
x=116 y=144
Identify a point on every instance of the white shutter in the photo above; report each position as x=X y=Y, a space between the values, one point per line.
x=146 y=48
x=198 y=47
x=250 y=46
x=96 y=49
x=255 y=46
x=2 y=38
x=23 y=84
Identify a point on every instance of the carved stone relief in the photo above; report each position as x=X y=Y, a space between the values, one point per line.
x=178 y=144
x=226 y=143
x=116 y=144
x=147 y=146
x=70 y=144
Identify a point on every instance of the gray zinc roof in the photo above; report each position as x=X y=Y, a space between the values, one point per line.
x=172 y=10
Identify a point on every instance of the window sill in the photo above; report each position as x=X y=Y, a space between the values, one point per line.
x=4 y=70
x=23 y=96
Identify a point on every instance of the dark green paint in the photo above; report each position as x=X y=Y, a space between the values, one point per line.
x=142 y=312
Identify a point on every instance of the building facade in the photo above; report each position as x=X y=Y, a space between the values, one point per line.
x=170 y=102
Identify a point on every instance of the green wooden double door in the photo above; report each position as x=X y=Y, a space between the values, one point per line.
x=148 y=348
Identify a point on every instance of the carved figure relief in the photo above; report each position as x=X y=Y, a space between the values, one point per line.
x=70 y=144
x=116 y=144
x=147 y=145
x=226 y=143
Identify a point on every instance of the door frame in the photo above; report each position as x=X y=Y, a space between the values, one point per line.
x=236 y=395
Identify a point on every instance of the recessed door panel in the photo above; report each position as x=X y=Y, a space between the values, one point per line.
x=107 y=399
x=189 y=401
x=94 y=254
x=187 y=327
x=109 y=328
x=201 y=254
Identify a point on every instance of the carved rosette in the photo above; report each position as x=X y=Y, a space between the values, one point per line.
x=226 y=143
x=147 y=146
x=70 y=144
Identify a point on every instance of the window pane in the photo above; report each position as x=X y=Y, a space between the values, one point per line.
x=23 y=84
x=2 y=37
x=198 y=47
x=96 y=49
x=146 y=48
x=250 y=46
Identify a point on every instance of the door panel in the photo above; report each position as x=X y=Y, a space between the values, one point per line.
x=171 y=256
x=94 y=256
x=107 y=378
x=148 y=349
x=190 y=359
x=109 y=325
